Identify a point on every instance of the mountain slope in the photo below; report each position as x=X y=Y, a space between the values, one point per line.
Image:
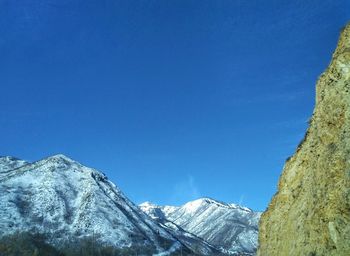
x=310 y=213
x=229 y=226
x=191 y=241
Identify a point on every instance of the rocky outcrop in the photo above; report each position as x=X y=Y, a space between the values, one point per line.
x=310 y=213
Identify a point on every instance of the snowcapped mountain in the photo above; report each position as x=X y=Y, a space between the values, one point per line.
x=61 y=197
x=67 y=200
x=229 y=226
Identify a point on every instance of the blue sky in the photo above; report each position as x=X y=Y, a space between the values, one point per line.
x=173 y=100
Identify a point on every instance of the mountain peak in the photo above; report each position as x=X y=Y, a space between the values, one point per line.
x=209 y=200
x=61 y=157
x=195 y=204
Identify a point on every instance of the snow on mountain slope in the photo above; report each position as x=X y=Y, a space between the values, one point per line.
x=62 y=197
x=156 y=211
x=229 y=226
x=191 y=241
x=8 y=163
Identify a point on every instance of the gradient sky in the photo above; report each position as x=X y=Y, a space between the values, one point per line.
x=173 y=100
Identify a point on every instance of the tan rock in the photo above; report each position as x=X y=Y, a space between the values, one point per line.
x=310 y=213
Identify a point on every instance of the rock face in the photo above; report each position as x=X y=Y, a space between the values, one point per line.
x=310 y=214
x=231 y=227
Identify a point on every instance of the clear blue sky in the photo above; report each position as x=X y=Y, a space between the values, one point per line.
x=173 y=100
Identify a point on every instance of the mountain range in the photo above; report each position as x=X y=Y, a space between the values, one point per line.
x=67 y=200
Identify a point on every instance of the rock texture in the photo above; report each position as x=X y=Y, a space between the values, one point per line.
x=310 y=214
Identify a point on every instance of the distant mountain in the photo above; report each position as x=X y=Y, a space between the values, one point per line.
x=66 y=200
x=229 y=226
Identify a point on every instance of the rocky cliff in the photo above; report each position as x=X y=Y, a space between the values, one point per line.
x=310 y=213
